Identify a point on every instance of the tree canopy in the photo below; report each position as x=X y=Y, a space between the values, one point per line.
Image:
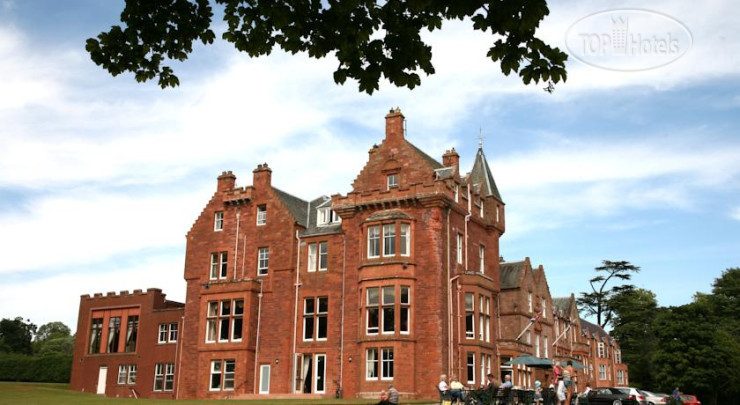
x=371 y=39
x=16 y=335
x=598 y=301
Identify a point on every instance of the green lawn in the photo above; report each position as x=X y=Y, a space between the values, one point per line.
x=59 y=394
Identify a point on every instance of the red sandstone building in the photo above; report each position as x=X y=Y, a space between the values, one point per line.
x=397 y=282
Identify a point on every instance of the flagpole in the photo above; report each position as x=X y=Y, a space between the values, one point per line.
x=531 y=322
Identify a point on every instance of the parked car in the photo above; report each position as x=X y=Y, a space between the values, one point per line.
x=614 y=396
x=653 y=398
x=689 y=400
x=638 y=394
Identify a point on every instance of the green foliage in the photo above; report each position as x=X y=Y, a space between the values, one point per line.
x=370 y=39
x=16 y=335
x=53 y=338
x=634 y=316
x=597 y=302
x=19 y=367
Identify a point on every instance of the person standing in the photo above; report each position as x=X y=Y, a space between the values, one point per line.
x=569 y=375
x=392 y=395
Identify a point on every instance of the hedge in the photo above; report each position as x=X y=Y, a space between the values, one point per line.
x=51 y=368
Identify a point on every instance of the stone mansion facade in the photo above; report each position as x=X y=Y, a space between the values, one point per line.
x=398 y=281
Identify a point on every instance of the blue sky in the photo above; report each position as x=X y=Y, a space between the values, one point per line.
x=101 y=177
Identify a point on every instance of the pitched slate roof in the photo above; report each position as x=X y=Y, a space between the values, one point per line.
x=511 y=273
x=430 y=160
x=295 y=205
x=594 y=330
x=561 y=304
x=481 y=174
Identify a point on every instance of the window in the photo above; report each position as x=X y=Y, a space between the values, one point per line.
x=114 y=332
x=389 y=240
x=373 y=241
x=457 y=193
x=320 y=261
x=392 y=181
x=620 y=377
x=543 y=308
x=602 y=371
x=389 y=310
x=224 y=320
x=482 y=258
x=222 y=375
x=481 y=319
x=261 y=215
x=537 y=345
x=167 y=333
x=459 y=249
x=546 y=354
x=218 y=221
x=162 y=336
x=601 y=349
x=327 y=216
x=405 y=239
x=372 y=311
x=617 y=356
x=164 y=376
x=263 y=259
x=132 y=331
x=528 y=337
x=127 y=374
x=315 y=314
x=530 y=306
x=320 y=373
x=173 y=333
x=323 y=255
x=371 y=364
x=485 y=366
x=487 y=315
x=219 y=265
x=405 y=309
x=471 y=368
x=96 y=333
x=386 y=364
x=498 y=213
x=381 y=306
x=469 y=316
x=311 y=265
x=482 y=214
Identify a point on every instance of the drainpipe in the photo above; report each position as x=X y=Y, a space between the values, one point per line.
x=236 y=244
x=244 y=253
x=459 y=335
x=467 y=219
x=257 y=344
x=178 y=356
x=449 y=300
x=341 y=327
x=295 y=307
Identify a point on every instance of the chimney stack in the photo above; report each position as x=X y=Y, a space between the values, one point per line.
x=262 y=176
x=394 y=125
x=451 y=158
x=226 y=181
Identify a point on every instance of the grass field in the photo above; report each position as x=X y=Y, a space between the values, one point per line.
x=59 y=394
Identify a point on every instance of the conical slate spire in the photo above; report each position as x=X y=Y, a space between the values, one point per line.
x=481 y=174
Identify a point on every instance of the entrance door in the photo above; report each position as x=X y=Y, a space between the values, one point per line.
x=265 y=379
x=307 y=374
x=102 y=377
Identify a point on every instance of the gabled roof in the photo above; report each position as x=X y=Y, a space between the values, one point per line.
x=561 y=304
x=295 y=205
x=594 y=330
x=511 y=274
x=481 y=175
x=430 y=160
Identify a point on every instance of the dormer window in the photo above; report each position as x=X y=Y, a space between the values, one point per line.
x=326 y=216
x=392 y=181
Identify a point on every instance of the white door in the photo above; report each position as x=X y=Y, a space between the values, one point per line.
x=102 y=377
x=265 y=379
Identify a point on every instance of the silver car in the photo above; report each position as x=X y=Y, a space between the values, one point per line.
x=638 y=395
x=655 y=399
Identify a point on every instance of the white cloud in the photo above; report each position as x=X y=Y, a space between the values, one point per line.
x=63 y=290
x=735 y=214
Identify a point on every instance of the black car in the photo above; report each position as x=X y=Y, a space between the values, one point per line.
x=612 y=396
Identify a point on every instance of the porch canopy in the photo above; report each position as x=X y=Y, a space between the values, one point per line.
x=530 y=361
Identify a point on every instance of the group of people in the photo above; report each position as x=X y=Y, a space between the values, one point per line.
x=389 y=397
x=455 y=390
x=563 y=383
